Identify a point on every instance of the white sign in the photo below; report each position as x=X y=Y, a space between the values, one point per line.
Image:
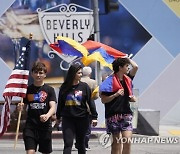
x=67 y=22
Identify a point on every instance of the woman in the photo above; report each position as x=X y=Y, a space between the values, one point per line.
x=73 y=96
x=116 y=93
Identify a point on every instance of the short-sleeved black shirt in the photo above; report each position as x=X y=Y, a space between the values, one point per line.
x=37 y=99
x=120 y=104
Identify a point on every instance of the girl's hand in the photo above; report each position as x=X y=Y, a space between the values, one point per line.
x=94 y=123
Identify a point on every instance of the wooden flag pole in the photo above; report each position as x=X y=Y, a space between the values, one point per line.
x=18 y=124
x=19 y=116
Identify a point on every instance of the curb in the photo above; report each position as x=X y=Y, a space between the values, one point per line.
x=55 y=135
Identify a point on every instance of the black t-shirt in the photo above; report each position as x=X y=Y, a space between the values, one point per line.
x=120 y=104
x=74 y=104
x=37 y=99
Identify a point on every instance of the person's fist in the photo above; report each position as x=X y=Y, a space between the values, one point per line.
x=20 y=106
x=133 y=99
x=44 y=117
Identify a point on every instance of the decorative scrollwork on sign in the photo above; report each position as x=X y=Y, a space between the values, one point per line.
x=63 y=8
x=51 y=54
x=75 y=61
x=38 y=10
x=67 y=9
x=71 y=8
x=64 y=67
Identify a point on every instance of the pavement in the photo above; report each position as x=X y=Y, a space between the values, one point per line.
x=168 y=142
x=164 y=130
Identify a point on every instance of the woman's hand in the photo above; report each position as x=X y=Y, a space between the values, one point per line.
x=94 y=123
x=58 y=121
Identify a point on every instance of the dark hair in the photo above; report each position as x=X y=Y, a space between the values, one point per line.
x=119 y=62
x=39 y=66
x=74 y=68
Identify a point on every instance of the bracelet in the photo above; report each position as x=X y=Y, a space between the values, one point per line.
x=114 y=95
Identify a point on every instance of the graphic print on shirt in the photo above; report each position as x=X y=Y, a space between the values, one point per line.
x=37 y=100
x=74 y=99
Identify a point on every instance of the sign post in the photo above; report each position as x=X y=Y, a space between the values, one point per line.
x=97 y=37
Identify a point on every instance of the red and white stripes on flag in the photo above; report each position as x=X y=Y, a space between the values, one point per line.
x=17 y=83
x=5 y=115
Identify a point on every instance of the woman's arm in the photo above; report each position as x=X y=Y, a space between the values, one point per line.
x=60 y=105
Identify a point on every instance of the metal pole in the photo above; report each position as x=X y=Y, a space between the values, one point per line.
x=97 y=37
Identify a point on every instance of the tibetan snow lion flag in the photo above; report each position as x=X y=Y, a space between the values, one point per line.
x=16 y=84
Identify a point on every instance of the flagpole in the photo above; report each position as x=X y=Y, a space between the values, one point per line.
x=18 y=124
x=20 y=112
x=97 y=37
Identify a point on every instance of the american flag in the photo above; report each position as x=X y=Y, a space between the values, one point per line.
x=16 y=85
